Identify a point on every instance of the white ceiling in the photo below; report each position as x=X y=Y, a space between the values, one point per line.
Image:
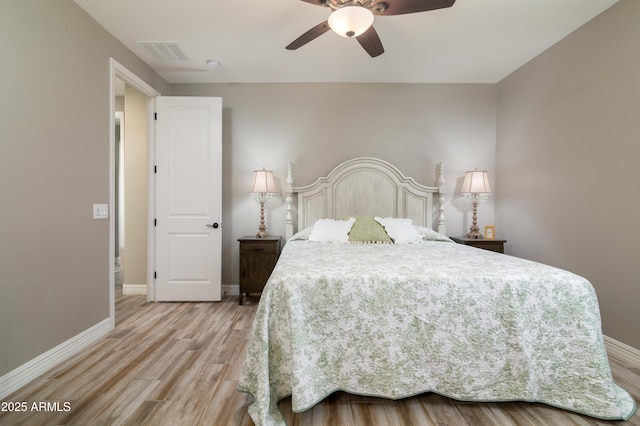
x=475 y=41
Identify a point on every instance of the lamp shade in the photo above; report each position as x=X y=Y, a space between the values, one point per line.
x=350 y=21
x=476 y=182
x=263 y=182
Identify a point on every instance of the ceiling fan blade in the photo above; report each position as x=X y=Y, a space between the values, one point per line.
x=305 y=38
x=402 y=7
x=370 y=41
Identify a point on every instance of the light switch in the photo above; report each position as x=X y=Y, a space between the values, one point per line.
x=101 y=211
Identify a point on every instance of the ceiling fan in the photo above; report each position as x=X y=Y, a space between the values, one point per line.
x=354 y=18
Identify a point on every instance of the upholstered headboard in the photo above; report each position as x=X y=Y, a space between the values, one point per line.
x=365 y=186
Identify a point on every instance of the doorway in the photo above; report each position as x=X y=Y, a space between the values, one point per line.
x=118 y=216
x=146 y=96
x=131 y=172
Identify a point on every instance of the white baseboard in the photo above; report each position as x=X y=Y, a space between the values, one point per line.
x=14 y=380
x=230 y=289
x=133 y=289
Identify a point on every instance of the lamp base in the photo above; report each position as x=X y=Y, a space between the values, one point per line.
x=475 y=234
x=262 y=229
x=262 y=233
x=474 y=231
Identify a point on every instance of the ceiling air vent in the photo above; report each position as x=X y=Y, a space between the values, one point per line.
x=164 y=50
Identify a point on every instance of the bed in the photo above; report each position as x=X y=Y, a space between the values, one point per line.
x=414 y=312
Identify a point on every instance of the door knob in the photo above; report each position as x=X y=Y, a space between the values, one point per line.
x=214 y=225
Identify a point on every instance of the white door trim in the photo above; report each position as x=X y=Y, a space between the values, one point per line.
x=117 y=70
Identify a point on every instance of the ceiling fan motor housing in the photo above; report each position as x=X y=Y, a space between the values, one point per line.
x=337 y=4
x=350 y=21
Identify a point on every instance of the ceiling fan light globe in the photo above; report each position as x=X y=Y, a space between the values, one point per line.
x=350 y=21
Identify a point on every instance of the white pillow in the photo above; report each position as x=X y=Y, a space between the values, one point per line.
x=401 y=231
x=331 y=231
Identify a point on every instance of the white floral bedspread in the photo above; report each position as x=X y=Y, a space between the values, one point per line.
x=399 y=320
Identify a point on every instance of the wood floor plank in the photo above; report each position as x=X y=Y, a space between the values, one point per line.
x=179 y=364
x=333 y=410
x=227 y=407
x=381 y=413
x=442 y=410
x=171 y=413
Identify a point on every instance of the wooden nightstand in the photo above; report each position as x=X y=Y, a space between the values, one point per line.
x=258 y=256
x=492 y=245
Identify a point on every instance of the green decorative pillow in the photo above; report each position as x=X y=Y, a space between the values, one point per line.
x=367 y=230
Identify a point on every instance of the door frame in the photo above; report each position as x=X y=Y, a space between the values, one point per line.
x=118 y=71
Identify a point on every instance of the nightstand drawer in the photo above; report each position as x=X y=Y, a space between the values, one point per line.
x=259 y=247
x=497 y=246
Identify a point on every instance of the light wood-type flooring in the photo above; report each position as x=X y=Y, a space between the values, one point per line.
x=178 y=364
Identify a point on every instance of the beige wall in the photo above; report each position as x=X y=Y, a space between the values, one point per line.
x=568 y=155
x=54 y=164
x=134 y=259
x=317 y=126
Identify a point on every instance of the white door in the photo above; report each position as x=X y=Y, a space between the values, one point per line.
x=188 y=236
